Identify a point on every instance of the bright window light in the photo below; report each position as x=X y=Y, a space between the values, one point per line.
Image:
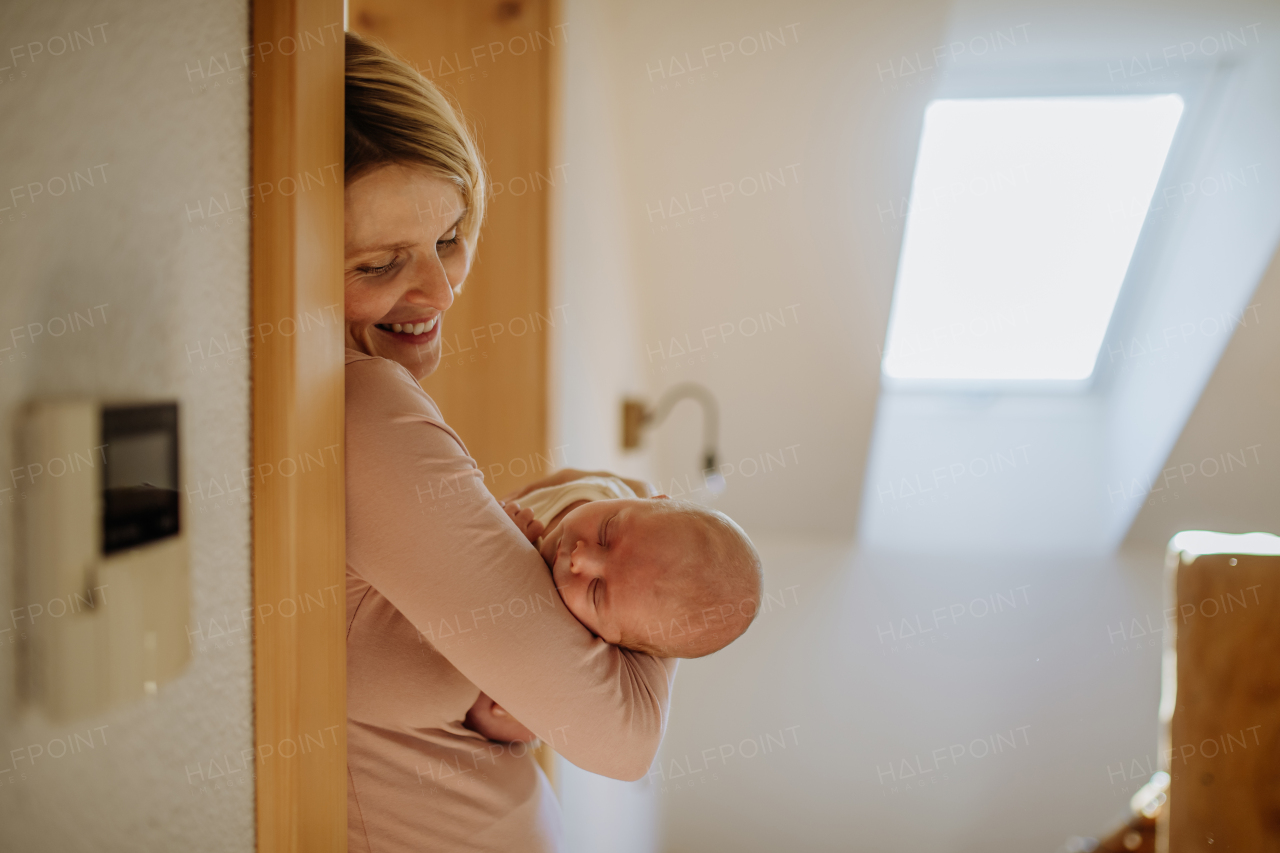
x=1023 y=216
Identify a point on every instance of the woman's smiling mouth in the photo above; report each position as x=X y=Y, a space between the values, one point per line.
x=417 y=328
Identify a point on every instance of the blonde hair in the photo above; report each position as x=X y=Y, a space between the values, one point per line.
x=395 y=116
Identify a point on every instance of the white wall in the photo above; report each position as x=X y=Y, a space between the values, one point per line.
x=131 y=103
x=808 y=252
x=829 y=669
x=593 y=363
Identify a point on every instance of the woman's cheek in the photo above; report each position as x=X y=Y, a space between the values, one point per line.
x=353 y=300
x=457 y=267
x=363 y=304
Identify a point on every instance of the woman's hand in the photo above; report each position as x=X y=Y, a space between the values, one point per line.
x=492 y=720
x=564 y=475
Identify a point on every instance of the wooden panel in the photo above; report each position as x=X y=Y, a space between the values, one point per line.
x=1223 y=747
x=494 y=59
x=298 y=486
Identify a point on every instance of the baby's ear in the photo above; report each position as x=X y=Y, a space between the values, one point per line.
x=660 y=497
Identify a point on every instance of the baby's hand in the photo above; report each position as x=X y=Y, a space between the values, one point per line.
x=492 y=720
x=529 y=526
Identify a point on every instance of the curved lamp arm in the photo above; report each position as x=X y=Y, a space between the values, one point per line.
x=636 y=416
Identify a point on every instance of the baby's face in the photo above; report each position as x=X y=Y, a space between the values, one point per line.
x=607 y=558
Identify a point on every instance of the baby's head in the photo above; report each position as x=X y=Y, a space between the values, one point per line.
x=656 y=575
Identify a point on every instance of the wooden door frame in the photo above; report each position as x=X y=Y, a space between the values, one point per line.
x=299 y=536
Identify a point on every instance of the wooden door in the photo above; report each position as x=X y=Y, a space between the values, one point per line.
x=494 y=59
x=299 y=521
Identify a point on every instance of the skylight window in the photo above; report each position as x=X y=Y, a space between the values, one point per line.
x=1024 y=214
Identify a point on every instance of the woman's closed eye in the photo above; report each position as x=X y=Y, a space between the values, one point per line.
x=376 y=271
x=450 y=240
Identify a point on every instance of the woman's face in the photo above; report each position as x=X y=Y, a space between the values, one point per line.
x=405 y=260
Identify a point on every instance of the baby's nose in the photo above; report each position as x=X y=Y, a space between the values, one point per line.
x=584 y=559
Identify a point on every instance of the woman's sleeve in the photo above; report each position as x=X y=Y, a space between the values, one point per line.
x=423 y=530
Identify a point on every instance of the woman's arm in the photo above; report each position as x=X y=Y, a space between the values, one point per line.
x=565 y=475
x=424 y=531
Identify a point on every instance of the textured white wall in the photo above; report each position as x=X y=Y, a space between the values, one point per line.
x=130 y=107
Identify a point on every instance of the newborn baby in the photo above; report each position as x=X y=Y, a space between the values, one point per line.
x=669 y=578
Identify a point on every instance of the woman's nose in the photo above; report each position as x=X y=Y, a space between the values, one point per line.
x=432 y=288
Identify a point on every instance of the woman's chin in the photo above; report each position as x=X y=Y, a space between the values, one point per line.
x=422 y=364
x=420 y=354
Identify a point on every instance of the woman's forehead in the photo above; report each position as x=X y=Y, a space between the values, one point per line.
x=394 y=206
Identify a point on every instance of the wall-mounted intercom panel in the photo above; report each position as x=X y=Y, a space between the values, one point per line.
x=106 y=559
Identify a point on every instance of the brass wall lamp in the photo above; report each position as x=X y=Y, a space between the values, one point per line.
x=636 y=417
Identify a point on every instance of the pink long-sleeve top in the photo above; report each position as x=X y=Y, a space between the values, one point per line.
x=445 y=598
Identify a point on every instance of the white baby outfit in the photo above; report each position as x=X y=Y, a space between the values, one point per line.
x=547 y=503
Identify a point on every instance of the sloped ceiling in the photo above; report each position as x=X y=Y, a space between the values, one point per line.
x=822 y=248
x=1238 y=414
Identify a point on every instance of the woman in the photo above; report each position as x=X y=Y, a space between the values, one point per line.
x=445 y=598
